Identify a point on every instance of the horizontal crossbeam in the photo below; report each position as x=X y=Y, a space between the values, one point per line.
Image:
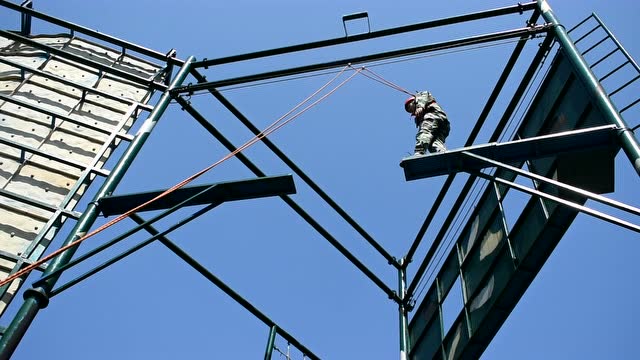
x=221 y=192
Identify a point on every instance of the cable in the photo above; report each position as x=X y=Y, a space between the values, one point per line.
x=384 y=81
x=270 y=129
x=375 y=64
x=533 y=80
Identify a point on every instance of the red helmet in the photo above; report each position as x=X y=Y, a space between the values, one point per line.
x=407 y=104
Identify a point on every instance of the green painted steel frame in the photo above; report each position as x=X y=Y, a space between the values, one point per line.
x=453 y=161
x=545 y=46
x=630 y=144
x=36 y=298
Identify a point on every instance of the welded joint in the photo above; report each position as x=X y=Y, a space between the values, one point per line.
x=395 y=263
x=183 y=101
x=168 y=70
x=204 y=60
x=409 y=304
x=188 y=89
x=23 y=259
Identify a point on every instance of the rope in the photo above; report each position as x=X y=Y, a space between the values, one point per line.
x=370 y=65
x=376 y=77
x=270 y=129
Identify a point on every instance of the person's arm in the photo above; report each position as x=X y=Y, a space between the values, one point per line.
x=423 y=100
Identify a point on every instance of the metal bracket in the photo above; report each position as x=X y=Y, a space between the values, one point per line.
x=350 y=17
x=25 y=19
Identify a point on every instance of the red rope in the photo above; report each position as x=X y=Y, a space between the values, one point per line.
x=270 y=129
x=376 y=77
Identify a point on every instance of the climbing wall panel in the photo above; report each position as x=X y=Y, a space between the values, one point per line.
x=59 y=123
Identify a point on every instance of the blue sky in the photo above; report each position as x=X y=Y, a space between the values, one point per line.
x=152 y=306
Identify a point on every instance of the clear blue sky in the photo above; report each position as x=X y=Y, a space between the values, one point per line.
x=582 y=305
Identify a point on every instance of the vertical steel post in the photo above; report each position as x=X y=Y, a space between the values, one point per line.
x=271 y=342
x=402 y=312
x=38 y=298
x=629 y=142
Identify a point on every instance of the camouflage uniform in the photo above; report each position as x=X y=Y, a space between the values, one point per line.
x=433 y=125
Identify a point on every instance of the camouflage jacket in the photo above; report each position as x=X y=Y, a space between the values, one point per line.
x=425 y=100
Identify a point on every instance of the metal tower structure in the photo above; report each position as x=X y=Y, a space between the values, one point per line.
x=72 y=102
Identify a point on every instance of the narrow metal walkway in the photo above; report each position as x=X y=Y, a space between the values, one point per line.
x=419 y=167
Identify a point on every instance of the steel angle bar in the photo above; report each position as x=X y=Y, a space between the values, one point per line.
x=189 y=197
x=218 y=192
x=39 y=204
x=19 y=260
x=81 y=60
x=83 y=30
x=66 y=161
x=519 y=92
x=235 y=296
x=298 y=171
x=474 y=40
x=297 y=208
x=495 y=93
x=573 y=189
x=25 y=19
x=37 y=298
x=516 y=9
x=273 y=331
x=55 y=116
x=124 y=235
x=581 y=208
x=115 y=259
x=71 y=83
x=630 y=143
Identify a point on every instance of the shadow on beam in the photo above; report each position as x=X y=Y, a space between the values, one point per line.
x=220 y=192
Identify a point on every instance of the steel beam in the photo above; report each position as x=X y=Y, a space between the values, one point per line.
x=577 y=207
x=297 y=208
x=520 y=8
x=298 y=171
x=511 y=107
x=580 y=192
x=220 y=192
x=81 y=60
x=476 y=130
x=420 y=167
x=629 y=142
x=474 y=40
x=37 y=298
x=84 y=30
x=235 y=296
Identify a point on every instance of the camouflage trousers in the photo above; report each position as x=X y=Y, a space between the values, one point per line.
x=432 y=132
